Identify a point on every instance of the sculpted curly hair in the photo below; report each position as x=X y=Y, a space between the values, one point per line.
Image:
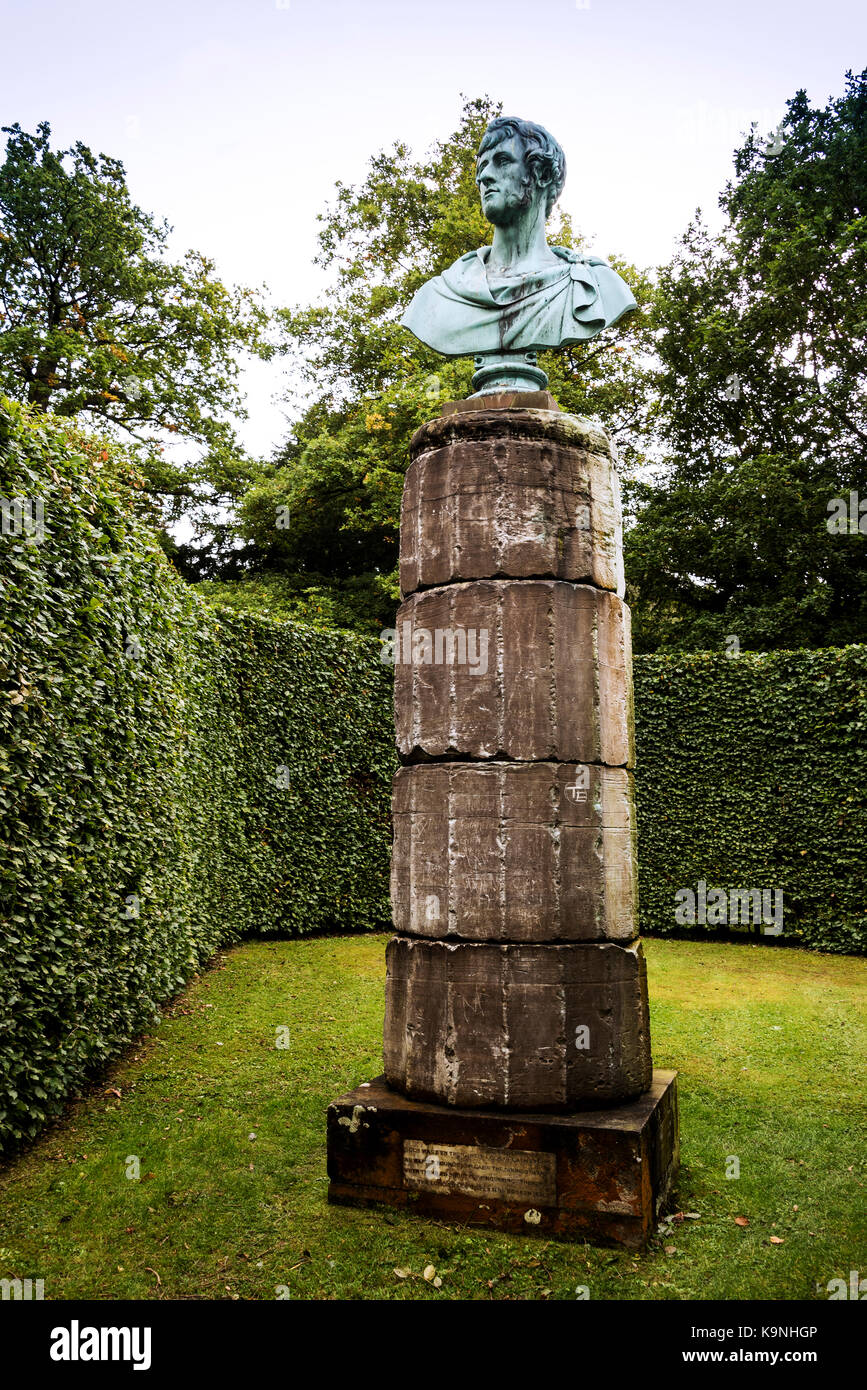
x=544 y=156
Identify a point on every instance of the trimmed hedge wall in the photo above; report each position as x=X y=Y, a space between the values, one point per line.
x=752 y=773
x=171 y=778
x=288 y=796
x=174 y=777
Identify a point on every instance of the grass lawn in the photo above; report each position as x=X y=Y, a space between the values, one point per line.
x=769 y=1044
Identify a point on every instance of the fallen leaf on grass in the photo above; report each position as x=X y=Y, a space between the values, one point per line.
x=777 y=1240
x=671 y=1249
x=403 y=1273
x=741 y=1221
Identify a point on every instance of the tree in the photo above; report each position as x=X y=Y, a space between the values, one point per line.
x=341 y=472
x=96 y=320
x=762 y=338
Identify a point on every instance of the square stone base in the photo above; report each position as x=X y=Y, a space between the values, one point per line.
x=595 y=1175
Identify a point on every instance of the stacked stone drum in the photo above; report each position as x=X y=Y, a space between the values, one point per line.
x=515 y=978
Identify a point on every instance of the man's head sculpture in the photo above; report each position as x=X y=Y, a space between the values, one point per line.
x=543 y=163
x=505 y=302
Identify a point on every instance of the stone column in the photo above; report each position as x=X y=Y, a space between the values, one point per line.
x=515 y=978
x=518 y=1091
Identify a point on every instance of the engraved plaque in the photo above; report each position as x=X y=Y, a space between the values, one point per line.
x=510 y=1175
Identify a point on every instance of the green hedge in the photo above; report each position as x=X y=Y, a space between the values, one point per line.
x=143 y=816
x=752 y=773
x=288 y=797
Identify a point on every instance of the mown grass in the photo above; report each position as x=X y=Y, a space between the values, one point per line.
x=769 y=1044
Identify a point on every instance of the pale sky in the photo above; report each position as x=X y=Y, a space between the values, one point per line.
x=235 y=119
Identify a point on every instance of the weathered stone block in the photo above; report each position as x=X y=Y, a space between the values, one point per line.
x=524 y=669
x=480 y=418
x=514 y=852
x=600 y=1175
x=543 y=1027
x=519 y=504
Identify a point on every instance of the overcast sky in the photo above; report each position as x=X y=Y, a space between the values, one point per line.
x=235 y=119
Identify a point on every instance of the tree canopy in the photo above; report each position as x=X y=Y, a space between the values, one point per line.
x=761 y=333
x=736 y=395
x=96 y=320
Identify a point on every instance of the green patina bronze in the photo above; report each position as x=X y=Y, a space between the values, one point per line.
x=505 y=302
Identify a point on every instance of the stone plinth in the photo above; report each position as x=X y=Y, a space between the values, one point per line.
x=545 y=1027
x=505 y=496
x=596 y=1175
x=526 y=669
x=517 y=852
